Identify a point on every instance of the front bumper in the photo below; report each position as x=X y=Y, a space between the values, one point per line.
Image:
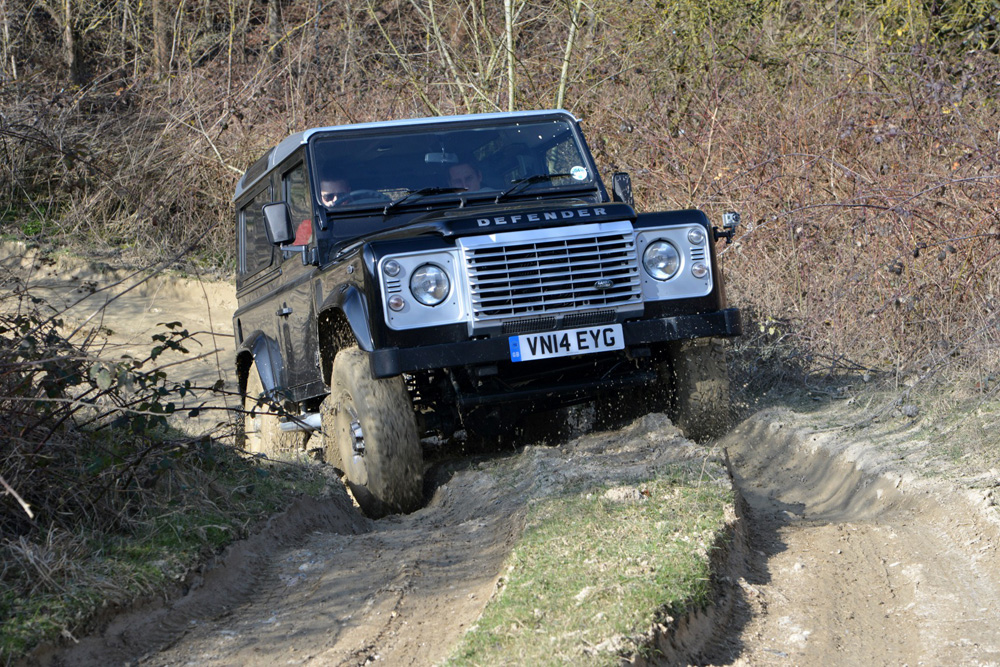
x=392 y=361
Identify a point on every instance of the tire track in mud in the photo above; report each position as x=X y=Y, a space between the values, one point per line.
x=856 y=563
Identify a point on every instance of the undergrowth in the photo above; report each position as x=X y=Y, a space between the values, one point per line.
x=103 y=500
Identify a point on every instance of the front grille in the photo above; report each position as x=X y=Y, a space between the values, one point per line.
x=574 y=320
x=530 y=325
x=586 y=270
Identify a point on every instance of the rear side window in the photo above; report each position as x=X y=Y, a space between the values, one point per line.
x=257 y=252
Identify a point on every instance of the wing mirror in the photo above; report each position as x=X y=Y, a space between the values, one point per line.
x=278 y=223
x=621 y=188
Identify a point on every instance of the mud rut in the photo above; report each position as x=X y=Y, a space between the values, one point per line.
x=854 y=562
x=845 y=562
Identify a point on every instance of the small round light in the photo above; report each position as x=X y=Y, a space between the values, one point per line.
x=699 y=270
x=391 y=268
x=430 y=284
x=396 y=302
x=696 y=236
x=661 y=260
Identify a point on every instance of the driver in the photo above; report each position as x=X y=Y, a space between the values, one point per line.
x=465 y=175
x=333 y=191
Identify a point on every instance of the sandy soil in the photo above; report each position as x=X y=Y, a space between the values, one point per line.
x=854 y=554
x=854 y=558
x=119 y=310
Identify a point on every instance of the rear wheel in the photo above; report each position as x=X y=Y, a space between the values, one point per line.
x=261 y=432
x=371 y=424
x=699 y=379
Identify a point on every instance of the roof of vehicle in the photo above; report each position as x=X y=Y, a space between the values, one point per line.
x=287 y=146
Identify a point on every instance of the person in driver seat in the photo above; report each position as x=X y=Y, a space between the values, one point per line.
x=333 y=191
x=465 y=175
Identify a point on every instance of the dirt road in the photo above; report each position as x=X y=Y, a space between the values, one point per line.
x=852 y=558
x=855 y=560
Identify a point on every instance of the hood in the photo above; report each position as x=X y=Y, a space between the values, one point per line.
x=507 y=217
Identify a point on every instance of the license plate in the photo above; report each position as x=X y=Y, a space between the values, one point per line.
x=568 y=343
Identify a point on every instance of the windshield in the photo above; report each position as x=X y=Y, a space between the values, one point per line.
x=372 y=168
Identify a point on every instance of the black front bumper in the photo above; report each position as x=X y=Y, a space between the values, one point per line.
x=388 y=362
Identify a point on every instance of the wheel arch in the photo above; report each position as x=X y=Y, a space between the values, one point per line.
x=257 y=347
x=343 y=323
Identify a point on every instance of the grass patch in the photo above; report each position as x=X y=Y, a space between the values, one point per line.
x=592 y=573
x=54 y=584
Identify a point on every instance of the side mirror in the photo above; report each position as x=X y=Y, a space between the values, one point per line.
x=278 y=223
x=621 y=188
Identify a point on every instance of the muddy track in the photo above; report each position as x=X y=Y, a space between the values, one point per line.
x=856 y=562
x=850 y=558
x=844 y=563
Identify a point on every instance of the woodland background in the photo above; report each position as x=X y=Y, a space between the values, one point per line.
x=860 y=140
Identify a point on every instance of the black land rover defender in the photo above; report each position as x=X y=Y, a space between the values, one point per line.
x=408 y=278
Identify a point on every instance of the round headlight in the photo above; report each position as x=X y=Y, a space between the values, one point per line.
x=661 y=260
x=696 y=236
x=430 y=285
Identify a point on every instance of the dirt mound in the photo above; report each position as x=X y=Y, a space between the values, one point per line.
x=127 y=307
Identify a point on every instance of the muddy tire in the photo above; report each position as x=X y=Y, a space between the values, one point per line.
x=258 y=430
x=371 y=424
x=699 y=382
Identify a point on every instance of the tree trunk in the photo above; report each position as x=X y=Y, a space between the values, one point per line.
x=8 y=47
x=70 y=48
x=274 y=30
x=508 y=14
x=162 y=38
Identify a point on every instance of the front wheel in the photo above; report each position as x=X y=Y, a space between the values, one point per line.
x=370 y=424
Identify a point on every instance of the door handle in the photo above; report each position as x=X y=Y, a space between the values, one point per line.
x=284 y=311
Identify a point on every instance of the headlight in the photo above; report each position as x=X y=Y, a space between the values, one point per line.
x=661 y=260
x=430 y=285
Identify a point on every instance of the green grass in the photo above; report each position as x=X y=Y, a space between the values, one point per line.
x=591 y=575
x=52 y=585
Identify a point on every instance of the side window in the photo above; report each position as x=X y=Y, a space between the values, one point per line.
x=299 y=200
x=257 y=251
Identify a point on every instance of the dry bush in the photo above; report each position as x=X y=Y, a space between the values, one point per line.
x=857 y=139
x=82 y=436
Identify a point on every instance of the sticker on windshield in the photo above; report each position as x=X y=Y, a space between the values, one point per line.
x=578 y=172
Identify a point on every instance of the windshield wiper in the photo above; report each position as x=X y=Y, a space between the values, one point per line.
x=523 y=183
x=418 y=194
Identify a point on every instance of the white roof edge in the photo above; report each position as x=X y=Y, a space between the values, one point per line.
x=290 y=143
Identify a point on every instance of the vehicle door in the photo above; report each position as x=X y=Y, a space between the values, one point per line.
x=257 y=273
x=295 y=309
